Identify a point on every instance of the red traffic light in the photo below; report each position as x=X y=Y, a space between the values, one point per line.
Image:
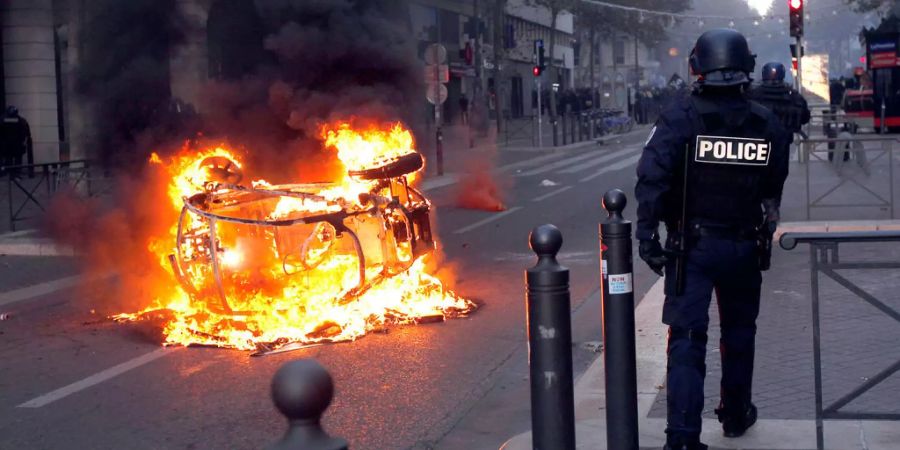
x=795 y=17
x=536 y=71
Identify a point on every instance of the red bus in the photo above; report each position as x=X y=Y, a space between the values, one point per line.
x=884 y=68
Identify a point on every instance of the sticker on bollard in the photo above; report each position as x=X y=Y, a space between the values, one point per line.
x=620 y=284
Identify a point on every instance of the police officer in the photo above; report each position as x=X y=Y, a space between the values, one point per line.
x=15 y=138
x=712 y=170
x=781 y=99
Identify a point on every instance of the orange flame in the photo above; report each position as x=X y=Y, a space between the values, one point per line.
x=247 y=285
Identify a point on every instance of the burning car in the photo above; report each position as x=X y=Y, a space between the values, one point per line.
x=382 y=231
x=260 y=266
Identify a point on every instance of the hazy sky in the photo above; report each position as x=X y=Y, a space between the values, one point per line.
x=761 y=6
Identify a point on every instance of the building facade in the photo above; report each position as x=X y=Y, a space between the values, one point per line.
x=490 y=55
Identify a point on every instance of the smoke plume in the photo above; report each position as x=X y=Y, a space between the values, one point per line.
x=278 y=70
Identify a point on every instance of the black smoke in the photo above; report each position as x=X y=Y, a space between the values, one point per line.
x=122 y=76
x=278 y=69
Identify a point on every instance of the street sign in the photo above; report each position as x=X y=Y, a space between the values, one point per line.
x=439 y=94
x=436 y=54
x=443 y=73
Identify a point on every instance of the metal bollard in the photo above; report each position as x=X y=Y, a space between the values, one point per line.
x=554 y=121
x=302 y=390
x=550 y=344
x=618 y=325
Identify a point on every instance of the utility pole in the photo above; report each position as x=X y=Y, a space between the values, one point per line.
x=499 y=11
x=637 y=77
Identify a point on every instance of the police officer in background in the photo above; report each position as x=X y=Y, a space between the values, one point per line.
x=712 y=170
x=781 y=99
x=15 y=138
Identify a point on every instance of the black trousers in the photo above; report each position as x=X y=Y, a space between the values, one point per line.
x=730 y=268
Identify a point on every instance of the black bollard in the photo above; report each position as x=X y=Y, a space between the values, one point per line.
x=555 y=122
x=302 y=390
x=550 y=344
x=618 y=325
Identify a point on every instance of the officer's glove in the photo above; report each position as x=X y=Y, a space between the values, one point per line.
x=652 y=253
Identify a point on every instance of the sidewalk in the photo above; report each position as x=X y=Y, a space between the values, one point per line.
x=857 y=341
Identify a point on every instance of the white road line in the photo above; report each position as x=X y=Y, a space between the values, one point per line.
x=97 y=378
x=558 y=164
x=613 y=167
x=451 y=179
x=551 y=194
x=14 y=234
x=601 y=160
x=488 y=220
x=38 y=290
x=530 y=162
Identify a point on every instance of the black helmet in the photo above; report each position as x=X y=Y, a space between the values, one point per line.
x=12 y=111
x=773 y=72
x=722 y=58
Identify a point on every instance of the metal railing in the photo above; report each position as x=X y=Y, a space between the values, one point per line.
x=824 y=259
x=34 y=184
x=833 y=152
x=520 y=129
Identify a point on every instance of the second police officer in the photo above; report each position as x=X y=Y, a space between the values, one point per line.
x=773 y=93
x=712 y=171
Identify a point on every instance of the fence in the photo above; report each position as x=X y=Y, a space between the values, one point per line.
x=824 y=259
x=30 y=186
x=836 y=174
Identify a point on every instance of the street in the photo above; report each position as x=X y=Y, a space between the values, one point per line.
x=72 y=379
x=199 y=194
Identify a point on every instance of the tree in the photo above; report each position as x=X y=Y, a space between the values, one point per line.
x=869 y=5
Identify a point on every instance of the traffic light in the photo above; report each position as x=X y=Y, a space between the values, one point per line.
x=538 y=57
x=795 y=8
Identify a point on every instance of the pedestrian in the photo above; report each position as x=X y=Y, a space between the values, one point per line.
x=712 y=170
x=15 y=138
x=464 y=108
x=790 y=107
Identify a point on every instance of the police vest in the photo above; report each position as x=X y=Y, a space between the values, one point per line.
x=780 y=100
x=726 y=163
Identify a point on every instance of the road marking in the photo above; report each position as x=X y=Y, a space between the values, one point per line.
x=451 y=179
x=39 y=290
x=488 y=220
x=558 y=164
x=13 y=234
x=551 y=194
x=601 y=160
x=439 y=182
x=613 y=167
x=530 y=162
x=97 y=378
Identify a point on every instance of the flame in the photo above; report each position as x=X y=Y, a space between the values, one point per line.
x=250 y=286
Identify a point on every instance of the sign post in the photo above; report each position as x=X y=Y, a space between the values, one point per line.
x=436 y=74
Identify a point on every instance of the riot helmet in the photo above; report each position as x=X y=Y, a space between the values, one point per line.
x=773 y=73
x=721 y=57
x=12 y=111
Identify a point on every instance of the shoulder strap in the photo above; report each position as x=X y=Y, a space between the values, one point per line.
x=759 y=117
x=705 y=115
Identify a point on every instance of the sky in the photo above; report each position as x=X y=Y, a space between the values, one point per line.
x=761 y=6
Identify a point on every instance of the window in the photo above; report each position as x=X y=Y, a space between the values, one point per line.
x=619 y=51
x=449 y=22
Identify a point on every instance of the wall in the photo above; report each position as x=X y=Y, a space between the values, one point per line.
x=30 y=71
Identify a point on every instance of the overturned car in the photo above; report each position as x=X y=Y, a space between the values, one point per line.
x=310 y=228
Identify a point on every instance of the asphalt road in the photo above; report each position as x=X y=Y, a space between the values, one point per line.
x=455 y=385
